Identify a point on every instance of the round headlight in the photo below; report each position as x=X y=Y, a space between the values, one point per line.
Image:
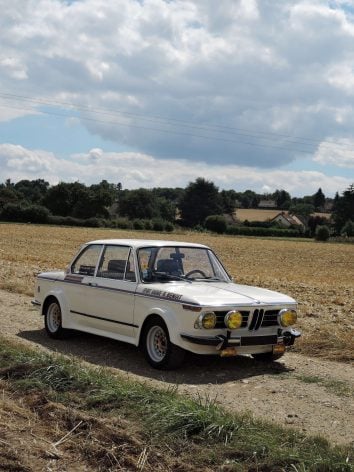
x=208 y=320
x=287 y=317
x=233 y=319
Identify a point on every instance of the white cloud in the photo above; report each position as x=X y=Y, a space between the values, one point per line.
x=263 y=66
x=135 y=170
x=337 y=153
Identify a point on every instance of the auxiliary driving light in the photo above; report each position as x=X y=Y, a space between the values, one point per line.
x=233 y=319
x=287 y=317
x=206 y=320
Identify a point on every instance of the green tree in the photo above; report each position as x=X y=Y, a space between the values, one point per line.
x=348 y=229
x=302 y=209
x=228 y=200
x=33 y=191
x=8 y=195
x=140 y=204
x=282 y=199
x=322 y=233
x=201 y=199
x=62 y=198
x=319 y=200
x=344 y=208
x=250 y=199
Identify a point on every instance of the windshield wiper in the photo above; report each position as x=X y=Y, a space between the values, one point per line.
x=167 y=276
x=209 y=279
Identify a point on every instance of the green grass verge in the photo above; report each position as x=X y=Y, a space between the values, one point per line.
x=230 y=441
x=338 y=387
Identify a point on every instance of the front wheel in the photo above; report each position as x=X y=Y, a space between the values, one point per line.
x=53 y=321
x=157 y=347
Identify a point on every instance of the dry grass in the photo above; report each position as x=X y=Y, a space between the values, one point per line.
x=251 y=214
x=319 y=275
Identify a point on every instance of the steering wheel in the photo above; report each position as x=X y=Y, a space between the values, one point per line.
x=196 y=271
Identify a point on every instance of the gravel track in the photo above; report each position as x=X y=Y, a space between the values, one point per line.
x=312 y=395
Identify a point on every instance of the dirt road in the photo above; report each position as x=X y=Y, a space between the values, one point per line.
x=312 y=395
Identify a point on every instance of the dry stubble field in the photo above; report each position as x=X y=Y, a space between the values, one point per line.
x=319 y=275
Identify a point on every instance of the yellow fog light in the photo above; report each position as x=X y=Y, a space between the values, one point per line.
x=233 y=319
x=287 y=317
x=206 y=320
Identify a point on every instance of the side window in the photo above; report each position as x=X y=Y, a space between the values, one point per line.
x=117 y=263
x=86 y=262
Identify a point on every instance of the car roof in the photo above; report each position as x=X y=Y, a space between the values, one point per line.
x=138 y=243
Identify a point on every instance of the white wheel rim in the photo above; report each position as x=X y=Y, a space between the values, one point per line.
x=53 y=318
x=156 y=343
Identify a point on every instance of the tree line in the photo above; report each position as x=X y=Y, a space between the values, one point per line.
x=200 y=205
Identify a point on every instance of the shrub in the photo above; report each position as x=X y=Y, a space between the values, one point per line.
x=121 y=223
x=23 y=213
x=348 y=229
x=216 y=223
x=158 y=225
x=322 y=233
x=94 y=222
x=138 y=224
x=148 y=225
x=169 y=227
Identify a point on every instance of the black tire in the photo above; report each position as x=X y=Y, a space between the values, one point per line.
x=53 y=320
x=158 y=350
x=267 y=356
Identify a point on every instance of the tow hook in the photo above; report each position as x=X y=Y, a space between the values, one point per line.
x=290 y=336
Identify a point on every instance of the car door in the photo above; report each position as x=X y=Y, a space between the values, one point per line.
x=79 y=284
x=111 y=293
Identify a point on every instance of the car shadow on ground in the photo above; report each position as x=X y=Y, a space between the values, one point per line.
x=196 y=370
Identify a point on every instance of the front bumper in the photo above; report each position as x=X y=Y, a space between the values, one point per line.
x=286 y=337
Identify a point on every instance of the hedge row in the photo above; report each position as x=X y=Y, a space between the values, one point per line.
x=19 y=213
x=250 y=231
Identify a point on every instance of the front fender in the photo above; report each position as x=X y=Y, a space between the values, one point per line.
x=172 y=319
x=65 y=314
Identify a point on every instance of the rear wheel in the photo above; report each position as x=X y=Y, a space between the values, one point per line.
x=53 y=320
x=157 y=347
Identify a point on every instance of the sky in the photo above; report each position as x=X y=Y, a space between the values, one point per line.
x=250 y=94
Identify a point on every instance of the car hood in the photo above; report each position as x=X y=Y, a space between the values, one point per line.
x=217 y=293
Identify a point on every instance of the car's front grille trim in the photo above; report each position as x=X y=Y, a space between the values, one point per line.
x=262 y=318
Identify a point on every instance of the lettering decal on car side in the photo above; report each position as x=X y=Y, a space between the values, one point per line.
x=162 y=294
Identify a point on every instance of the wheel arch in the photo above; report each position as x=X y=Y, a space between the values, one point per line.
x=148 y=318
x=49 y=299
x=60 y=299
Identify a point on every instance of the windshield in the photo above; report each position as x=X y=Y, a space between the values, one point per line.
x=180 y=263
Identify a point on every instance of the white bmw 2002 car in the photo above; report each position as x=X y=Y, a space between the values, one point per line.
x=166 y=297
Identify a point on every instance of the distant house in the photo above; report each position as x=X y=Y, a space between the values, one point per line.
x=285 y=220
x=267 y=204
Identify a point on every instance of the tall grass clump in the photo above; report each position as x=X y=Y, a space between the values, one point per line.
x=238 y=440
